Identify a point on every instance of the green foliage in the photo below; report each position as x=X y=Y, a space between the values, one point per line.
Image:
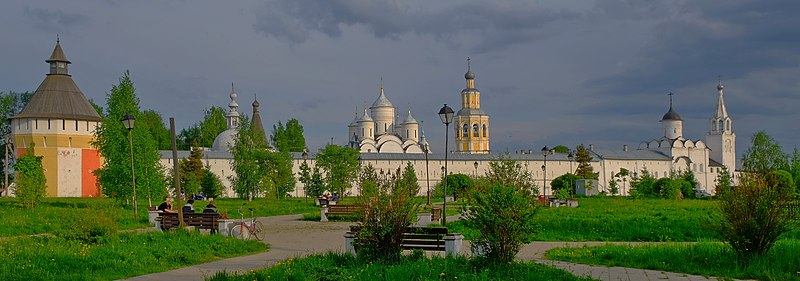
x=335 y=266
x=341 y=166
x=116 y=257
x=561 y=149
x=460 y=183
x=152 y=121
x=192 y=171
x=764 y=155
x=755 y=213
x=112 y=142
x=794 y=169
x=584 y=159
x=368 y=180
x=289 y=138
x=724 y=181
x=313 y=183
x=384 y=218
x=11 y=104
x=204 y=132
x=89 y=229
x=276 y=171
x=508 y=172
x=408 y=181
x=643 y=186
x=707 y=259
x=211 y=185
x=31 y=182
x=503 y=215
x=246 y=179
x=565 y=182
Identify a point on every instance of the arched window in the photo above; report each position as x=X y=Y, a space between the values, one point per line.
x=719 y=125
x=729 y=125
x=475 y=131
x=484 y=131
x=465 y=131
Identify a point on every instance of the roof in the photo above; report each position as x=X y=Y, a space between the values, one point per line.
x=410 y=119
x=58 y=54
x=712 y=163
x=382 y=101
x=470 y=112
x=631 y=154
x=671 y=115
x=59 y=97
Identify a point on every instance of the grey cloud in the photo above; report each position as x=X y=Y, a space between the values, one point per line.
x=53 y=21
x=498 y=24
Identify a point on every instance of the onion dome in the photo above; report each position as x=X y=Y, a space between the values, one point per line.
x=382 y=101
x=671 y=114
x=365 y=117
x=410 y=119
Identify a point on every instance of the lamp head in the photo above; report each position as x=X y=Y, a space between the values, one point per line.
x=446 y=114
x=128 y=121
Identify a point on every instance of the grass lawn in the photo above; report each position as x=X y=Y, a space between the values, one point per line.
x=620 y=219
x=54 y=214
x=114 y=256
x=415 y=267
x=707 y=258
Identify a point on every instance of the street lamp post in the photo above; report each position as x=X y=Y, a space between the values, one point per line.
x=128 y=121
x=545 y=151
x=476 y=169
x=5 y=167
x=427 y=171
x=446 y=114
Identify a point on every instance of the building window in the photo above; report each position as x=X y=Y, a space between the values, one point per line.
x=64 y=124
x=48 y=123
x=729 y=125
x=484 y=131
x=465 y=130
x=76 y=125
x=475 y=130
x=36 y=125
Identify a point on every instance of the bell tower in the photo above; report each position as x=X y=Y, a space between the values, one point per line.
x=720 y=138
x=471 y=123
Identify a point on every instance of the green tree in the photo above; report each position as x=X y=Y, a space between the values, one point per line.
x=340 y=165
x=584 y=170
x=368 y=180
x=188 y=137
x=276 y=170
x=152 y=121
x=211 y=185
x=214 y=123
x=461 y=184
x=247 y=178
x=724 y=181
x=408 y=181
x=565 y=181
x=192 y=171
x=643 y=186
x=31 y=182
x=508 y=172
x=764 y=155
x=794 y=169
x=561 y=149
x=111 y=140
x=11 y=104
x=288 y=138
x=97 y=108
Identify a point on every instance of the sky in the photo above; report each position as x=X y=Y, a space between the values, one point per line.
x=550 y=72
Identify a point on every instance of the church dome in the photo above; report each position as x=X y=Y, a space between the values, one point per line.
x=225 y=140
x=671 y=115
x=469 y=75
x=365 y=117
x=410 y=119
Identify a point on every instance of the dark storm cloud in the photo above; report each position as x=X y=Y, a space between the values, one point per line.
x=498 y=23
x=53 y=21
x=693 y=44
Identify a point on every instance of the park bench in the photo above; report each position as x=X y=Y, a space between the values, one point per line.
x=328 y=210
x=422 y=238
x=208 y=221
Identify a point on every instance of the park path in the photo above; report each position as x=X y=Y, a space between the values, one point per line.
x=289 y=237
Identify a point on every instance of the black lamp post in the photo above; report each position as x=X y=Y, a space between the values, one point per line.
x=446 y=114
x=427 y=170
x=128 y=121
x=545 y=151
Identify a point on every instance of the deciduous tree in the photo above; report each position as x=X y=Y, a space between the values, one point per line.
x=288 y=138
x=31 y=182
x=340 y=165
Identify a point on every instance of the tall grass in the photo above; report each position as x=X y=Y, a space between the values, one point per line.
x=618 y=219
x=709 y=258
x=115 y=256
x=416 y=267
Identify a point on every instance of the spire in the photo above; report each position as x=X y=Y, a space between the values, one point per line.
x=58 y=61
x=721 y=112
x=233 y=115
x=258 y=128
x=469 y=75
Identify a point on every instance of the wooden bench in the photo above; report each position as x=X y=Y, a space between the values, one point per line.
x=208 y=221
x=423 y=238
x=338 y=210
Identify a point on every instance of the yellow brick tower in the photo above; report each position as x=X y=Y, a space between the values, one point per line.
x=471 y=123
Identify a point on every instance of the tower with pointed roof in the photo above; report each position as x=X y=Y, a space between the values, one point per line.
x=258 y=128
x=671 y=123
x=471 y=123
x=60 y=122
x=225 y=140
x=720 y=138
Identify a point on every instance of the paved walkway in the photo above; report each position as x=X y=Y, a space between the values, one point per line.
x=290 y=237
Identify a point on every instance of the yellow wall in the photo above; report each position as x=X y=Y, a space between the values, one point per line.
x=50 y=152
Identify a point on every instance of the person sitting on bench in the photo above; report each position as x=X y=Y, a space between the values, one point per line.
x=166 y=207
x=189 y=207
x=210 y=208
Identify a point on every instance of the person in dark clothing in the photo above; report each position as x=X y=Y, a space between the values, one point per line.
x=189 y=207
x=166 y=207
x=210 y=208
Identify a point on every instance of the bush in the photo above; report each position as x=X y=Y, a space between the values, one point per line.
x=755 y=213
x=88 y=230
x=459 y=183
x=31 y=182
x=503 y=215
x=383 y=220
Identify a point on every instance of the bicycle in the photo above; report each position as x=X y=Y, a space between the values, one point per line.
x=244 y=230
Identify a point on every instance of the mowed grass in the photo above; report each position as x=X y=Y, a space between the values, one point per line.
x=54 y=214
x=620 y=219
x=114 y=256
x=334 y=266
x=708 y=258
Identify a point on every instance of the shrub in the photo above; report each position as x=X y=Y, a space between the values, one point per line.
x=503 y=215
x=755 y=213
x=565 y=181
x=31 y=182
x=88 y=229
x=459 y=183
x=383 y=220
